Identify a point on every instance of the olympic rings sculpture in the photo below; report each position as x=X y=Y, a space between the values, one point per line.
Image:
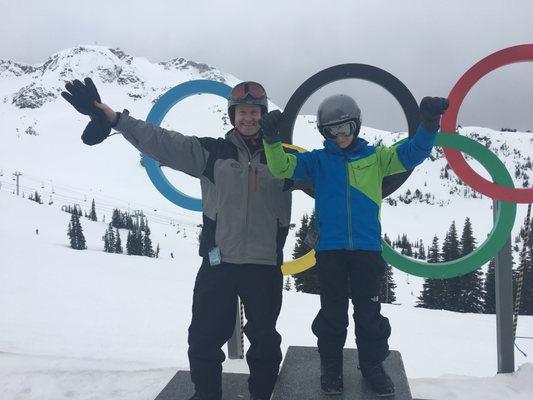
x=494 y=61
x=502 y=189
x=161 y=107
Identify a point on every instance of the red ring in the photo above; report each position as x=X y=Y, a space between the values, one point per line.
x=455 y=158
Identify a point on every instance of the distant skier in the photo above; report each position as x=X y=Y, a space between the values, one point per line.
x=246 y=216
x=347 y=177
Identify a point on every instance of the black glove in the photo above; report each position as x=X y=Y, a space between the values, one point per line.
x=82 y=98
x=96 y=131
x=431 y=108
x=269 y=123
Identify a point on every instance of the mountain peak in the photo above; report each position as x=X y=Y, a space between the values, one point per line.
x=33 y=86
x=206 y=71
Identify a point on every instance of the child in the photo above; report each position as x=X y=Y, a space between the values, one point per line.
x=347 y=175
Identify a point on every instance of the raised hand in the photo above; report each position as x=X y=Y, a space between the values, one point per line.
x=270 y=125
x=431 y=109
x=84 y=97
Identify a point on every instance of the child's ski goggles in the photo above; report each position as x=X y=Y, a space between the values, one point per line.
x=345 y=129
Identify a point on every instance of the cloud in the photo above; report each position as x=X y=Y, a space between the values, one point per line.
x=426 y=44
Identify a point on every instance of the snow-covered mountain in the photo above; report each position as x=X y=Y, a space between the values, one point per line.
x=44 y=305
x=40 y=138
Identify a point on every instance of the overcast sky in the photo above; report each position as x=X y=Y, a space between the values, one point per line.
x=427 y=44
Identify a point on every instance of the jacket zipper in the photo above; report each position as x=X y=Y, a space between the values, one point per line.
x=348 y=204
x=250 y=157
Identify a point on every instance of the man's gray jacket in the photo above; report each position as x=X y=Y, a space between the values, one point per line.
x=246 y=210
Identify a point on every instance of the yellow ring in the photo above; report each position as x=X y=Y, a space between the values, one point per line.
x=308 y=260
x=299 y=264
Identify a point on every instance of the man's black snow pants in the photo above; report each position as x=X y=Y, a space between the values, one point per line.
x=213 y=321
x=359 y=274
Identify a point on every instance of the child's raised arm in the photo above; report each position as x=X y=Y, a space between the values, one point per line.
x=281 y=164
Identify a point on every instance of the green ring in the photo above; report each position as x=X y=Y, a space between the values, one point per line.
x=498 y=236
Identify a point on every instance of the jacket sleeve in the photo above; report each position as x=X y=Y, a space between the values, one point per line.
x=170 y=148
x=291 y=166
x=408 y=154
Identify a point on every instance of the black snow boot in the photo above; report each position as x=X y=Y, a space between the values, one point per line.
x=378 y=379
x=204 y=396
x=331 y=375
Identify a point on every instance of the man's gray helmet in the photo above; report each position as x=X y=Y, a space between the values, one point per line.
x=247 y=93
x=337 y=109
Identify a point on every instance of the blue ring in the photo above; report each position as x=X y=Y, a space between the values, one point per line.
x=161 y=107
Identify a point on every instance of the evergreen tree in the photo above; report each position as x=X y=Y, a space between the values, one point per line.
x=450 y=246
x=287 y=286
x=147 y=249
x=386 y=293
x=489 y=303
x=109 y=240
x=526 y=298
x=127 y=221
x=526 y=306
x=433 y=253
x=92 y=214
x=81 y=238
x=407 y=249
x=450 y=251
x=75 y=233
x=433 y=290
x=105 y=238
x=421 y=255
x=138 y=242
x=129 y=244
x=112 y=239
x=134 y=243
x=35 y=197
x=118 y=243
x=157 y=249
x=115 y=219
x=69 y=232
x=301 y=248
x=306 y=281
x=463 y=293
x=404 y=241
x=469 y=288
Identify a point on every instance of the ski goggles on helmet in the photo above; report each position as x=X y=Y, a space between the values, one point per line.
x=245 y=89
x=347 y=128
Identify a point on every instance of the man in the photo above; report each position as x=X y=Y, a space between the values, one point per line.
x=347 y=175
x=246 y=215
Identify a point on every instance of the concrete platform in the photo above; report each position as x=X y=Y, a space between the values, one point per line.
x=180 y=387
x=299 y=377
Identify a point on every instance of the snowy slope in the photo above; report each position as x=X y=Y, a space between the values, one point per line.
x=95 y=325
x=87 y=324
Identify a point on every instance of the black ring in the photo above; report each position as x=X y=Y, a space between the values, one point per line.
x=355 y=71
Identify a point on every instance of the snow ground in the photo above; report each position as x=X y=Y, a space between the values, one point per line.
x=92 y=325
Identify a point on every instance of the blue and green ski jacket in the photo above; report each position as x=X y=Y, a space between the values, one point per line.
x=347 y=185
